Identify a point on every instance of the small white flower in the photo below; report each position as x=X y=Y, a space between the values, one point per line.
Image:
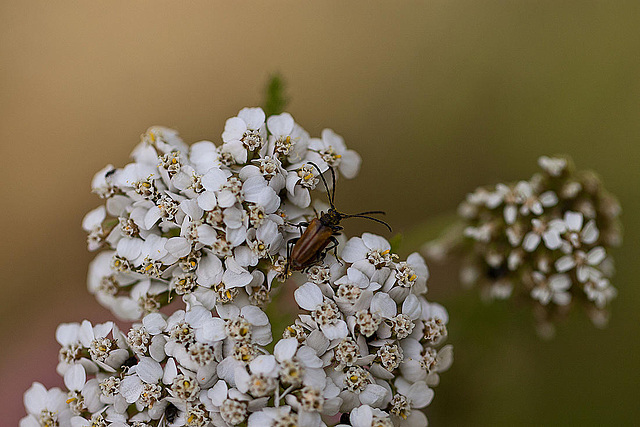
x=229 y=404
x=325 y=313
x=358 y=388
x=268 y=168
x=331 y=151
x=370 y=254
x=423 y=363
x=104 y=351
x=575 y=234
x=555 y=288
x=552 y=165
x=246 y=132
x=600 y=291
x=299 y=365
x=287 y=138
x=299 y=182
x=499 y=290
x=203 y=155
x=410 y=274
x=548 y=232
x=101 y=182
x=406 y=403
x=535 y=204
x=584 y=263
x=92 y=223
x=261 y=380
x=45 y=407
x=276 y=417
x=366 y=416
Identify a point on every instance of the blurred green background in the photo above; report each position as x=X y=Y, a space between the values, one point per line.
x=438 y=97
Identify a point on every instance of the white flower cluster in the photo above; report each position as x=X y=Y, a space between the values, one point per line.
x=369 y=346
x=377 y=335
x=211 y=225
x=547 y=238
x=206 y=223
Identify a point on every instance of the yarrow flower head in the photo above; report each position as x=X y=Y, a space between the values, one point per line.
x=547 y=239
x=204 y=223
x=208 y=226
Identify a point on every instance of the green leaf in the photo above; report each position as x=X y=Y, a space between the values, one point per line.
x=275 y=98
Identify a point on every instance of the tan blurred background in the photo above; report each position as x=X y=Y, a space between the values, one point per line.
x=437 y=96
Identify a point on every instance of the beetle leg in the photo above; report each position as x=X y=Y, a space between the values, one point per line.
x=290 y=244
x=333 y=245
x=299 y=225
x=335 y=249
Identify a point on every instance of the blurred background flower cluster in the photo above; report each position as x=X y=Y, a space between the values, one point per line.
x=438 y=97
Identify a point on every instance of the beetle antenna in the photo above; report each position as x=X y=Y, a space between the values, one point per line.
x=324 y=181
x=333 y=181
x=371 y=218
x=371 y=212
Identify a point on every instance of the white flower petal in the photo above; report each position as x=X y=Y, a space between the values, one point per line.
x=233 y=129
x=154 y=323
x=129 y=248
x=207 y=234
x=149 y=370
x=170 y=371
x=373 y=241
x=350 y=164
x=285 y=349
x=382 y=304
x=420 y=395
x=531 y=241
x=214 y=179
x=361 y=416
x=411 y=307
x=218 y=393
x=596 y=255
x=281 y=124
x=559 y=282
x=75 y=377
x=373 y=395
x=211 y=331
x=308 y=296
x=510 y=213
x=565 y=263
x=131 y=388
x=35 y=398
x=354 y=250
x=265 y=364
x=573 y=220
x=254 y=315
x=94 y=218
x=590 y=233
x=336 y=330
x=178 y=247
x=67 y=333
x=191 y=208
x=416 y=419
x=29 y=421
x=207 y=200
x=552 y=239
x=151 y=217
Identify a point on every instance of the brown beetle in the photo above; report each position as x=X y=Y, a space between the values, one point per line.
x=313 y=244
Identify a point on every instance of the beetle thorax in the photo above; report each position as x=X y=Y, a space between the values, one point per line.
x=331 y=218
